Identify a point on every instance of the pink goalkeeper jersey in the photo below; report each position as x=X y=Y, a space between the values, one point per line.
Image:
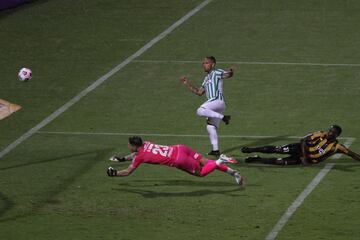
x=155 y=154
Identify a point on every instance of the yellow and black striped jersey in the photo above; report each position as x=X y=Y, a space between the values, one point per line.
x=319 y=148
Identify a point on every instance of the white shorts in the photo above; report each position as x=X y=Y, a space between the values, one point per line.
x=216 y=106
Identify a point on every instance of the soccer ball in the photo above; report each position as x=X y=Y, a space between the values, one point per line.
x=25 y=74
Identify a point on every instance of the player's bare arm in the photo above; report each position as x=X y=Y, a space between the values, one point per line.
x=228 y=74
x=350 y=153
x=197 y=90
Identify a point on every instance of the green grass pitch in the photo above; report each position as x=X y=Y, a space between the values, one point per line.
x=54 y=186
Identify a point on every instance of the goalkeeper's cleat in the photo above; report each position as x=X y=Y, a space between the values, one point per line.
x=117 y=159
x=239 y=179
x=111 y=172
x=227 y=159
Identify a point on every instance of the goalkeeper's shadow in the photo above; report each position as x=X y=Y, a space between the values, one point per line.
x=145 y=193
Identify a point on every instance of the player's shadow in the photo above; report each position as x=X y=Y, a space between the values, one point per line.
x=56 y=189
x=145 y=193
x=137 y=187
x=176 y=183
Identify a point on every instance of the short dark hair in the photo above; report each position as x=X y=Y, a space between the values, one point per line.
x=136 y=141
x=337 y=128
x=212 y=58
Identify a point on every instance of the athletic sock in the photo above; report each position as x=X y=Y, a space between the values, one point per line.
x=219 y=162
x=204 y=112
x=213 y=137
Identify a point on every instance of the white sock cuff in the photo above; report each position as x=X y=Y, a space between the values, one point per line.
x=219 y=162
x=231 y=171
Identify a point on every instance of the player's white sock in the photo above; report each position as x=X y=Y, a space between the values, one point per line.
x=213 y=137
x=204 y=112
x=231 y=171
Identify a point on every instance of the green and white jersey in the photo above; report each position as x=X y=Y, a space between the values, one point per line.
x=213 y=85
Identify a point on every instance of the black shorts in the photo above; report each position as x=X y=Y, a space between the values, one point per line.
x=294 y=150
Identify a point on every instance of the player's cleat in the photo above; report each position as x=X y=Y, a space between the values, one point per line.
x=252 y=159
x=246 y=150
x=227 y=159
x=117 y=159
x=111 y=172
x=226 y=119
x=214 y=153
x=239 y=179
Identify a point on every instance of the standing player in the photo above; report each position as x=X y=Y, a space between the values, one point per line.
x=179 y=156
x=213 y=109
x=313 y=148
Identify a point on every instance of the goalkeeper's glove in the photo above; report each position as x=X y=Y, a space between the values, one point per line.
x=111 y=172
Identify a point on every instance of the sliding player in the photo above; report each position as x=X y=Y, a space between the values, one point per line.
x=213 y=109
x=312 y=149
x=179 y=156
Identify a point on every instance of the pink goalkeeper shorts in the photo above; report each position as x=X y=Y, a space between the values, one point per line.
x=187 y=159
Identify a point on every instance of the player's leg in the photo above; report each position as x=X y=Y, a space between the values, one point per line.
x=211 y=127
x=291 y=160
x=209 y=166
x=192 y=162
x=212 y=124
x=262 y=149
x=293 y=148
x=213 y=109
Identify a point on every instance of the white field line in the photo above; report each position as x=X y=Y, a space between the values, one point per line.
x=300 y=199
x=257 y=63
x=101 y=80
x=172 y=135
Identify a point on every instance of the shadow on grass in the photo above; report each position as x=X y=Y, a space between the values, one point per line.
x=47 y=160
x=181 y=183
x=7 y=12
x=6 y=204
x=137 y=187
x=346 y=167
x=145 y=193
x=56 y=189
